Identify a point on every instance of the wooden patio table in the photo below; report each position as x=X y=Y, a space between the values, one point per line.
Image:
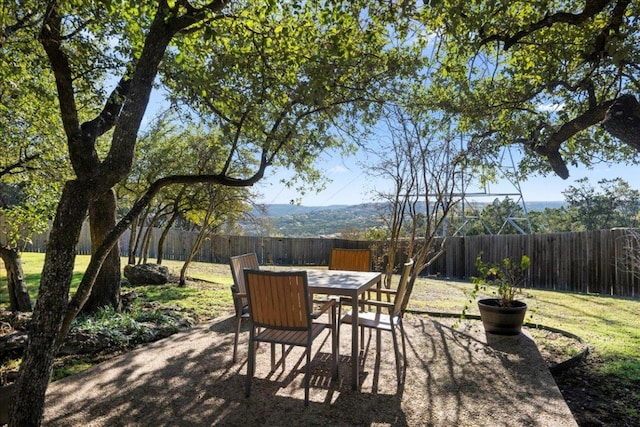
x=351 y=284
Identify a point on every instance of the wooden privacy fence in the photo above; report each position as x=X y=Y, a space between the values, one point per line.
x=587 y=262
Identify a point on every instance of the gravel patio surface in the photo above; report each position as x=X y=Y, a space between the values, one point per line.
x=454 y=377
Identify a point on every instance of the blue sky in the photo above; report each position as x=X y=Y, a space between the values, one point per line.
x=351 y=185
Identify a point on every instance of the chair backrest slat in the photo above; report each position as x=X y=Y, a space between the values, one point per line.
x=278 y=299
x=239 y=263
x=350 y=259
x=401 y=292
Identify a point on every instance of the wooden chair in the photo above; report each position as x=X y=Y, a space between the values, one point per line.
x=239 y=290
x=350 y=259
x=280 y=312
x=392 y=319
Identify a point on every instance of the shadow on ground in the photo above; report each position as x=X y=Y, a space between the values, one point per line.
x=453 y=377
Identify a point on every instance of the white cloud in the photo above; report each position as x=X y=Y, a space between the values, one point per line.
x=339 y=169
x=551 y=107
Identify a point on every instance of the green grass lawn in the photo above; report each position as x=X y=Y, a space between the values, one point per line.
x=609 y=325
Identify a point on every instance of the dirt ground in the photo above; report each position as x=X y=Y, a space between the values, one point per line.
x=594 y=399
x=453 y=377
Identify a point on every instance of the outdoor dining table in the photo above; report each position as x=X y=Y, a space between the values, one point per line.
x=351 y=284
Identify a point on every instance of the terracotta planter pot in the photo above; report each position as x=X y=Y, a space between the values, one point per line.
x=502 y=320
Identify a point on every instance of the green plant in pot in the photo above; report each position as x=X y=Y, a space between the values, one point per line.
x=503 y=314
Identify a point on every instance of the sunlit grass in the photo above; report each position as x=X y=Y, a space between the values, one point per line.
x=70 y=369
x=32 y=269
x=609 y=325
x=207 y=302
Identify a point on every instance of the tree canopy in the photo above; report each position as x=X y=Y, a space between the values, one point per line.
x=613 y=204
x=274 y=82
x=543 y=74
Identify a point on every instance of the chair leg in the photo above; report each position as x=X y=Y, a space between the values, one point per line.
x=284 y=359
x=404 y=347
x=338 y=324
x=235 y=342
x=395 y=350
x=338 y=316
x=250 y=364
x=306 y=376
x=334 y=341
x=273 y=356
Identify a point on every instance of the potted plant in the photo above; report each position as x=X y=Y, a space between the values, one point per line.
x=503 y=314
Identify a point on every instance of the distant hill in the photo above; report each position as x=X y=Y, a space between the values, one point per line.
x=279 y=210
x=328 y=221
x=312 y=221
x=540 y=206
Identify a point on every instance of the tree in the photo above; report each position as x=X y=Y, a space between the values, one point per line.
x=552 y=220
x=320 y=64
x=424 y=166
x=502 y=216
x=168 y=149
x=224 y=205
x=32 y=162
x=545 y=75
x=614 y=205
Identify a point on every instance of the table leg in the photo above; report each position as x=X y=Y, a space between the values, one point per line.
x=355 y=345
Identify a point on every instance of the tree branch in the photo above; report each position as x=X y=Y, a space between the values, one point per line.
x=20 y=163
x=622 y=120
x=550 y=148
x=591 y=8
x=194 y=15
x=25 y=21
x=109 y=114
x=51 y=41
x=98 y=257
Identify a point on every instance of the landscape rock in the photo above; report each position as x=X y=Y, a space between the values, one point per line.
x=82 y=342
x=146 y=274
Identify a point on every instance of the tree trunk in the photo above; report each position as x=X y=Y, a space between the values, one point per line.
x=172 y=220
x=27 y=407
x=146 y=242
x=148 y=236
x=132 y=241
x=139 y=234
x=622 y=120
x=106 y=289
x=17 y=287
x=194 y=249
x=163 y=236
x=204 y=230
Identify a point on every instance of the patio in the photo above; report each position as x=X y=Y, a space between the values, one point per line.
x=453 y=378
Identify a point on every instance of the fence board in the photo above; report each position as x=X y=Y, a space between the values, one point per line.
x=588 y=261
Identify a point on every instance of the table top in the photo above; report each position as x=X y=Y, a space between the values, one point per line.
x=341 y=282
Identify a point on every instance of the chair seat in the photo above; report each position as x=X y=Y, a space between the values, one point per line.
x=370 y=319
x=288 y=337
